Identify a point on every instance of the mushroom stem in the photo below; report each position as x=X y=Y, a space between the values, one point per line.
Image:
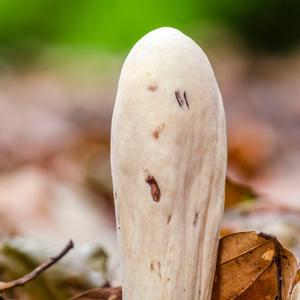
x=168 y=156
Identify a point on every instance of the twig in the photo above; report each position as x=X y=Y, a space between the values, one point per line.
x=37 y=271
x=100 y=294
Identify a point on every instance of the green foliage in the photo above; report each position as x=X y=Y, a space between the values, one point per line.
x=118 y=24
x=26 y=27
x=271 y=25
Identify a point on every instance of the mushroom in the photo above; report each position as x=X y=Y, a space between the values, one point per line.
x=168 y=157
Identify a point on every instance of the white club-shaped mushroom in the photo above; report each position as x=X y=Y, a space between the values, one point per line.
x=168 y=156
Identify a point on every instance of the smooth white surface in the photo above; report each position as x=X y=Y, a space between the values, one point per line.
x=168 y=248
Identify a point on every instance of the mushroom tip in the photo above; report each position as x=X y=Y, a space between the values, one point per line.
x=163 y=40
x=167 y=37
x=165 y=31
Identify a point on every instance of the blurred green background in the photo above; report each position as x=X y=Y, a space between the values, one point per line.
x=27 y=28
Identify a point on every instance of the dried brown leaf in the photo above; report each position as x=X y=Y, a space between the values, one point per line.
x=253 y=266
x=237 y=192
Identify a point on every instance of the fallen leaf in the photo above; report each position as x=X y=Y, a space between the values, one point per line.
x=100 y=294
x=253 y=266
x=236 y=192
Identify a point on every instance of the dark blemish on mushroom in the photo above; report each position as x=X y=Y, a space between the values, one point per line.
x=158 y=131
x=155 y=191
x=185 y=98
x=155 y=134
x=178 y=98
x=169 y=219
x=152 y=266
x=116 y=196
x=182 y=101
x=159 y=273
x=152 y=87
x=196 y=219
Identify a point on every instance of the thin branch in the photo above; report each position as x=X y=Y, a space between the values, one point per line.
x=37 y=271
x=100 y=294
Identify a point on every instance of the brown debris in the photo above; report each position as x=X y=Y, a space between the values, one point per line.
x=155 y=191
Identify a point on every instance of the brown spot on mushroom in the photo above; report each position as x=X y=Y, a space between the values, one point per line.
x=159 y=273
x=169 y=219
x=156 y=266
x=152 y=87
x=195 y=218
x=155 y=191
x=152 y=266
x=156 y=133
